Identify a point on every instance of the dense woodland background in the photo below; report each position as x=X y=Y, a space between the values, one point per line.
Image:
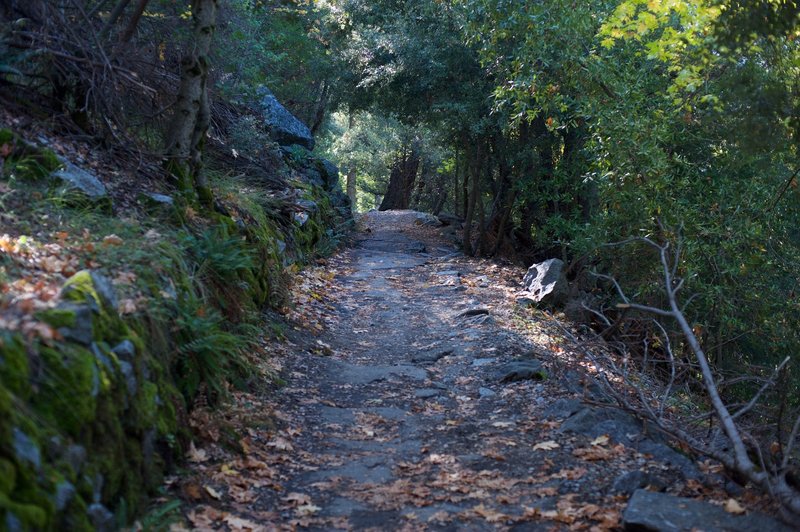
x=553 y=129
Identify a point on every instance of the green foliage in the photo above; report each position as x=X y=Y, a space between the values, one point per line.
x=217 y=255
x=206 y=354
x=683 y=139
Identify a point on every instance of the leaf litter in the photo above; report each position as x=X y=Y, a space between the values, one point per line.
x=325 y=452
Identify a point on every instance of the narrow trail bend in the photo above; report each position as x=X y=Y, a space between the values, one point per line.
x=404 y=411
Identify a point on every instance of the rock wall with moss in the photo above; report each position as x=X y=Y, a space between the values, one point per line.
x=95 y=382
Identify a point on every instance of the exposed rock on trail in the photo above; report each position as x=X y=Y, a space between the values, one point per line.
x=411 y=410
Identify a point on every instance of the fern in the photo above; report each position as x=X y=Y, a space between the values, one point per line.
x=206 y=354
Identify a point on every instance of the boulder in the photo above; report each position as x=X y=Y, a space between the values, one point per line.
x=424 y=218
x=284 y=127
x=330 y=174
x=445 y=218
x=77 y=183
x=649 y=511
x=546 y=280
x=520 y=370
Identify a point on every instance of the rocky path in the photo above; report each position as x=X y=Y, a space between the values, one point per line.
x=427 y=401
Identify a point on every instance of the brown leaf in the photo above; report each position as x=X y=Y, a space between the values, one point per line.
x=213 y=493
x=297 y=499
x=281 y=444
x=112 y=240
x=546 y=446
x=239 y=524
x=196 y=455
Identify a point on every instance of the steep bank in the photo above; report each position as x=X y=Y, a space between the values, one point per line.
x=122 y=306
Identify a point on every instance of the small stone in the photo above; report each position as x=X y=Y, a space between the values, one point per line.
x=125 y=350
x=631 y=481
x=525 y=302
x=159 y=199
x=486 y=392
x=307 y=205
x=426 y=393
x=430 y=358
x=478 y=362
x=102 y=357
x=130 y=377
x=480 y=311
x=13 y=524
x=65 y=491
x=26 y=449
x=733 y=489
x=75 y=456
x=520 y=370
x=300 y=217
x=102 y=519
x=448 y=273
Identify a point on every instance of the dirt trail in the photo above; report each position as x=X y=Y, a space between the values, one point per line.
x=403 y=411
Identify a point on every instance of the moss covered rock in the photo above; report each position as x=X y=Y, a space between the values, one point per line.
x=88 y=422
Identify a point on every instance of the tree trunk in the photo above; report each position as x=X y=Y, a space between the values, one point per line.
x=322 y=105
x=351 y=170
x=476 y=160
x=131 y=27
x=401 y=179
x=112 y=19
x=457 y=196
x=190 y=123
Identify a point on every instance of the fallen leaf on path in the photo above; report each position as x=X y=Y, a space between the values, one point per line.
x=490 y=515
x=214 y=493
x=732 y=506
x=297 y=499
x=307 y=509
x=196 y=455
x=440 y=517
x=546 y=446
x=239 y=523
x=600 y=440
x=282 y=444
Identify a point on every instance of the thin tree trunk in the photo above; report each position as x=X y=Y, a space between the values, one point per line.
x=457 y=196
x=322 y=105
x=130 y=29
x=472 y=197
x=112 y=19
x=190 y=123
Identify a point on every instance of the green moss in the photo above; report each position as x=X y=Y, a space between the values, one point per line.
x=14 y=370
x=6 y=414
x=57 y=317
x=8 y=476
x=30 y=515
x=67 y=394
x=106 y=325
